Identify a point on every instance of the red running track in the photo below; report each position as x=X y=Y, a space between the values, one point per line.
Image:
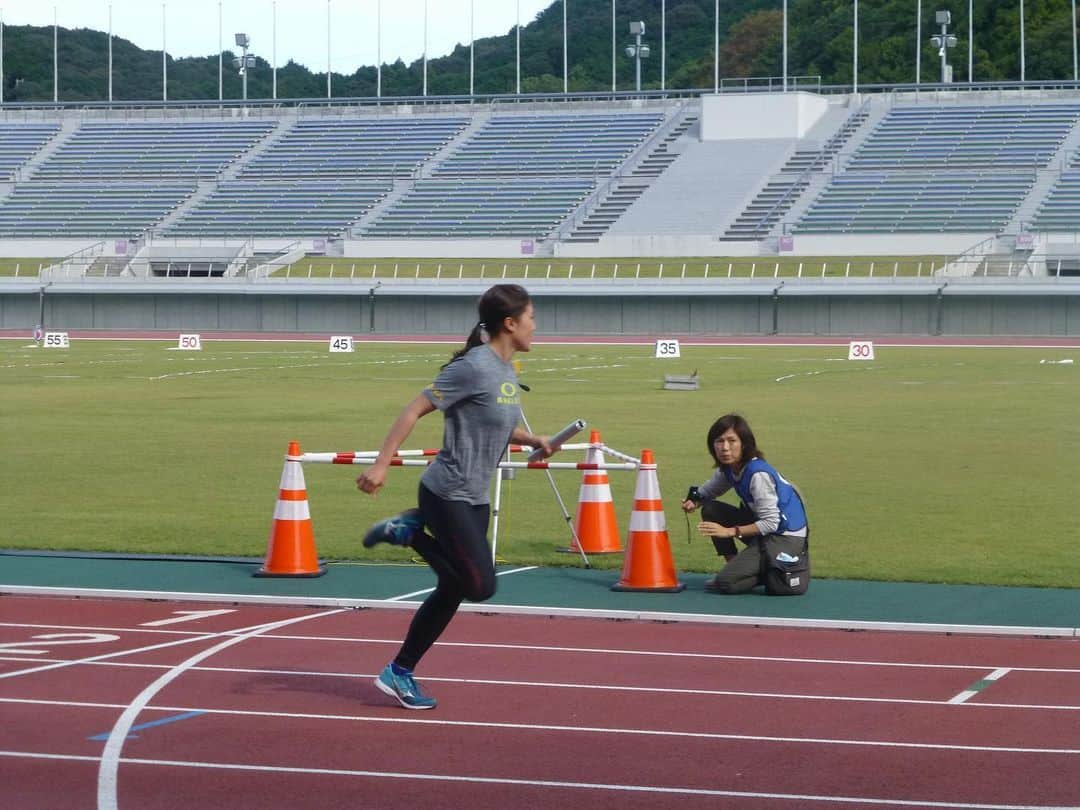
x=274 y=707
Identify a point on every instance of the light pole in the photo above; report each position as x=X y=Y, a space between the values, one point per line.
x=637 y=51
x=943 y=42
x=243 y=63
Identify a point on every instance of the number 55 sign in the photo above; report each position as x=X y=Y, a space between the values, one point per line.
x=667 y=347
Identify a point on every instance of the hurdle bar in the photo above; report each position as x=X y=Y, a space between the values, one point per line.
x=369 y=456
x=397 y=461
x=425 y=456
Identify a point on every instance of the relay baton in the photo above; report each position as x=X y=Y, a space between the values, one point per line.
x=559 y=439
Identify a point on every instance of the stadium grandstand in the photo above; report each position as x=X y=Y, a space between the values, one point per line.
x=988 y=182
x=588 y=178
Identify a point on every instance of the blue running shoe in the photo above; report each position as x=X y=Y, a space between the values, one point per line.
x=404 y=688
x=398 y=530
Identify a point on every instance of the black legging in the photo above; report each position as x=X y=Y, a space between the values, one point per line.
x=457 y=550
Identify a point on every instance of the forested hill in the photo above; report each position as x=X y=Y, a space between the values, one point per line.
x=820 y=42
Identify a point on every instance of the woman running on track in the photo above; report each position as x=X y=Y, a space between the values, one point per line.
x=478 y=393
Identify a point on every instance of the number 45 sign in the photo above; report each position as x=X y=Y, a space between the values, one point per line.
x=341 y=343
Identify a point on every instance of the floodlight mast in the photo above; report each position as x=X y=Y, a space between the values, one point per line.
x=637 y=51
x=943 y=42
x=243 y=62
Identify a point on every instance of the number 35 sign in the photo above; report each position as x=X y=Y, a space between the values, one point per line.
x=667 y=347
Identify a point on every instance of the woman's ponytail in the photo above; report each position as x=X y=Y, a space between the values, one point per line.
x=496 y=305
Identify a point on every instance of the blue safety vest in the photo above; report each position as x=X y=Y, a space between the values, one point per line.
x=792 y=512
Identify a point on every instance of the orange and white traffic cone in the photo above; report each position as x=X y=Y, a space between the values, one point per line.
x=291 y=550
x=648 y=565
x=595 y=525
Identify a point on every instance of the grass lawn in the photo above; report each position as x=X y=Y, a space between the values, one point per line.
x=686 y=267
x=926 y=464
x=23 y=267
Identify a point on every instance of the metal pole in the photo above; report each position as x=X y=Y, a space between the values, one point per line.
x=971 y=41
x=663 y=44
x=1 y=56
x=1076 y=73
x=918 y=42
x=110 y=55
x=244 y=71
x=518 y=56
x=944 y=36
x=472 y=47
x=55 y=61
x=637 y=62
x=220 y=56
x=378 y=49
x=716 y=47
x=614 y=85
x=329 y=89
x=1022 y=48
x=855 y=52
x=785 y=45
x=164 y=64
x=273 y=50
x=425 y=46
x=565 y=61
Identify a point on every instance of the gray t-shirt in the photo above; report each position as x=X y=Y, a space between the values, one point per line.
x=480 y=400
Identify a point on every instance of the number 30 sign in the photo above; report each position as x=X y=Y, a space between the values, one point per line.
x=860 y=350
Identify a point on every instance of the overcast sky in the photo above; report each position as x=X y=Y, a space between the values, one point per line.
x=191 y=26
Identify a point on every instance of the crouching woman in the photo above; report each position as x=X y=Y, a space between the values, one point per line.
x=770 y=519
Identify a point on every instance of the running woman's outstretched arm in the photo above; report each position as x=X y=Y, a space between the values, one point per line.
x=373 y=478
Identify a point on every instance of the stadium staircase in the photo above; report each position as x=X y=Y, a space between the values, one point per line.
x=30 y=168
x=205 y=188
x=802 y=171
x=626 y=189
x=232 y=171
x=1044 y=182
x=404 y=186
x=476 y=123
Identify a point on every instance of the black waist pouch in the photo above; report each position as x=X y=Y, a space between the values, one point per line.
x=786 y=561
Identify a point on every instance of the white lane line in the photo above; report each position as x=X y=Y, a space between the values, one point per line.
x=132 y=651
x=564 y=649
x=411 y=719
x=110 y=757
x=534 y=783
x=405 y=596
x=979 y=686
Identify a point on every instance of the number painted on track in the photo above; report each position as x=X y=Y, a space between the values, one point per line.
x=186 y=616
x=55 y=640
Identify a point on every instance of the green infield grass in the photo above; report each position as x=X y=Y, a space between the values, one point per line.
x=627 y=268
x=926 y=464
x=18 y=268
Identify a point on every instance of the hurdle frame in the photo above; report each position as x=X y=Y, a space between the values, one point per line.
x=425 y=456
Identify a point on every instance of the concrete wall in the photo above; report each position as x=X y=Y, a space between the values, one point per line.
x=733 y=311
x=741 y=116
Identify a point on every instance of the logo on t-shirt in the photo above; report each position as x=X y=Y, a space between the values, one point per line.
x=508 y=394
x=435 y=392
